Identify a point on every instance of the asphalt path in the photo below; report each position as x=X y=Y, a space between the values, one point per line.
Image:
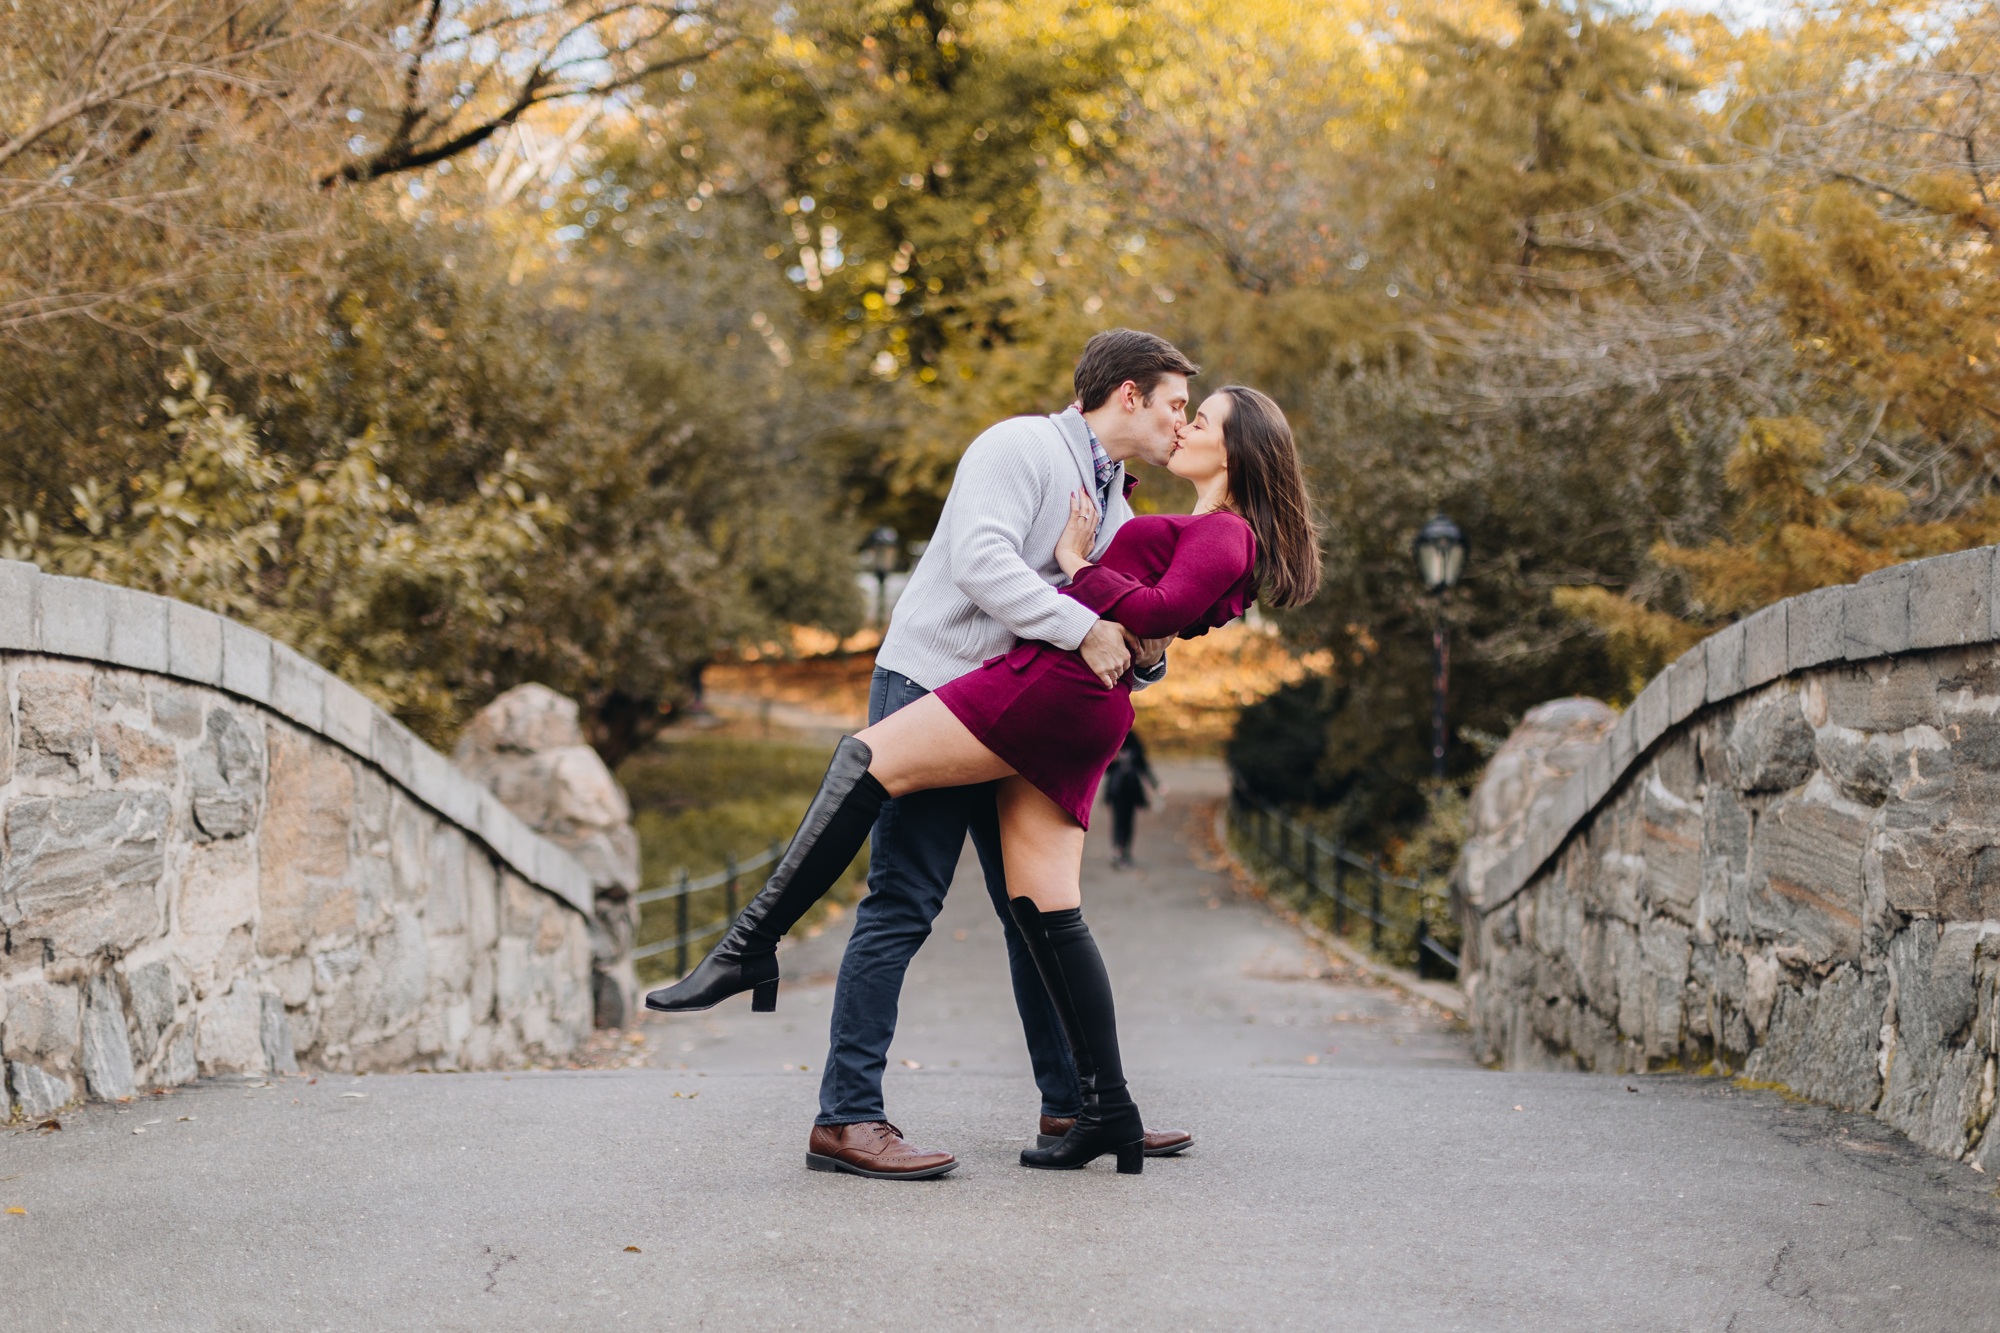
x=1353 y=1169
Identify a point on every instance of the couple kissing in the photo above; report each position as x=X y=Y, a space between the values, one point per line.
x=1002 y=691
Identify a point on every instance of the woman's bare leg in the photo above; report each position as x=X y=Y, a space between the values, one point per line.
x=1042 y=846
x=925 y=745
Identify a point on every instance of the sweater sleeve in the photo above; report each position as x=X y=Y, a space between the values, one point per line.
x=1004 y=484
x=1208 y=560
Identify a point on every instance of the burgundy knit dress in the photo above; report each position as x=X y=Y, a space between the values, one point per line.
x=1046 y=713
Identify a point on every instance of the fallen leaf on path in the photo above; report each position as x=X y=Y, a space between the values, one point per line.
x=1630 y=1088
x=50 y=1124
x=22 y=1211
x=633 y=1249
x=911 y=1064
x=689 y=1095
x=16 y=1176
x=186 y=1117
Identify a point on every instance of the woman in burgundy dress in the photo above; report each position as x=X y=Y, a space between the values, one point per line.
x=1045 y=726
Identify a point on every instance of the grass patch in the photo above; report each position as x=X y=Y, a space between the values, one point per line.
x=698 y=800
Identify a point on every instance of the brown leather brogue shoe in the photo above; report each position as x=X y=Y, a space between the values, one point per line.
x=873 y=1148
x=1159 y=1142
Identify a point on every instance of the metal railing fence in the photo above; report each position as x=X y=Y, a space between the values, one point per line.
x=683 y=888
x=1396 y=911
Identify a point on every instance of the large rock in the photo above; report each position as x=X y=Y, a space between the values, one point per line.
x=527 y=749
x=1523 y=777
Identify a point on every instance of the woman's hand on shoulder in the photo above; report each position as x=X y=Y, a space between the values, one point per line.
x=1079 y=535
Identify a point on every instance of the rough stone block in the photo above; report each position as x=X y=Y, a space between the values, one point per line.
x=194 y=643
x=57 y=737
x=18 y=622
x=447 y=905
x=1883 y=695
x=1652 y=712
x=1663 y=955
x=226 y=777
x=246 y=662
x=43 y=1022
x=1876 y=620
x=107 y=1053
x=482 y=894
x=74 y=616
x=1951 y=599
x=1687 y=684
x=1806 y=883
x=1723 y=671
x=1813 y=629
x=298 y=688
x=1672 y=829
x=217 y=898
x=1766 y=646
x=350 y=716
x=303 y=887
x=232 y=1032
x=1822 y=1040
x=274 y=1035
x=80 y=871
x=36 y=1091
x=138 y=629
x=1770 y=745
x=154 y=1003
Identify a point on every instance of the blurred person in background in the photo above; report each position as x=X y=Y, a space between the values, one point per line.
x=1125 y=784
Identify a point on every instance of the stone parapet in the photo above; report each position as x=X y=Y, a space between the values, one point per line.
x=99 y=622
x=215 y=857
x=1783 y=862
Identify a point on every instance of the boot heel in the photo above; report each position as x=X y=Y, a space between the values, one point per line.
x=1132 y=1158
x=764 y=998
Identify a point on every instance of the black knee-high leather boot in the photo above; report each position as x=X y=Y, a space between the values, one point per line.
x=1073 y=971
x=835 y=826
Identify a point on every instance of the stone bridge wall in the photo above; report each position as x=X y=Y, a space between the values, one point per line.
x=216 y=857
x=1783 y=862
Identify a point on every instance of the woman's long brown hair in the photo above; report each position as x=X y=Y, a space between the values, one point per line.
x=1267 y=487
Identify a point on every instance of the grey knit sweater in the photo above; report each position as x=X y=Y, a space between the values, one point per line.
x=990 y=575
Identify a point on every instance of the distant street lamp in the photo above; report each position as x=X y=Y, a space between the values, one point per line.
x=1440 y=551
x=882 y=556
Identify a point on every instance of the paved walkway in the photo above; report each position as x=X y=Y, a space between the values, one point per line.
x=1353 y=1171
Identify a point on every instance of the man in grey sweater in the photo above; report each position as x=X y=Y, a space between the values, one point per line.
x=989 y=578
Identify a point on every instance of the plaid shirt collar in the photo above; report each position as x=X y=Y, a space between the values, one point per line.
x=1104 y=468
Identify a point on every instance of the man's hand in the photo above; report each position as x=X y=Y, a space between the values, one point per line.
x=1105 y=653
x=1146 y=653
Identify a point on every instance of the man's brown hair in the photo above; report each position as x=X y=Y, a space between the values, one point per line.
x=1117 y=355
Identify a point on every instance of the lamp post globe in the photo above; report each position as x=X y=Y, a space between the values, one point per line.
x=1440 y=552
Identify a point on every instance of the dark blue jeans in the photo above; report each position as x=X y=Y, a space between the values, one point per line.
x=911 y=857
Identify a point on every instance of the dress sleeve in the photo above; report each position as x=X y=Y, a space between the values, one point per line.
x=1208 y=560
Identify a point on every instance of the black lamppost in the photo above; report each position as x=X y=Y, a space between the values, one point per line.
x=1440 y=551
x=882 y=557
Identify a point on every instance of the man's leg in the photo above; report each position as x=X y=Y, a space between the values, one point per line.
x=1048 y=1049
x=912 y=855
